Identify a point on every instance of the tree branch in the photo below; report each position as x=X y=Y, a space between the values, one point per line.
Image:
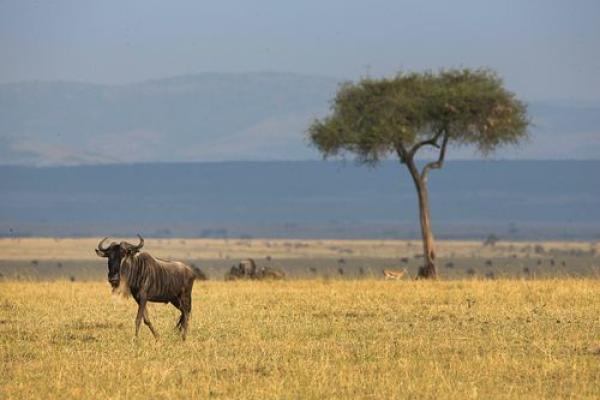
x=408 y=160
x=440 y=161
x=431 y=142
x=402 y=153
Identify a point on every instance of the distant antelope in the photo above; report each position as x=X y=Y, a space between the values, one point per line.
x=395 y=274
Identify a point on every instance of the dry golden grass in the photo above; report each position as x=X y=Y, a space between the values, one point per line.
x=307 y=340
x=83 y=248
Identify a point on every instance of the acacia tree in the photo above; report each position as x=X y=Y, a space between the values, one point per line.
x=402 y=115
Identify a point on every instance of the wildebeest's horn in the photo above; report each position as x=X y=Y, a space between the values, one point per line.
x=141 y=244
x=100 y=245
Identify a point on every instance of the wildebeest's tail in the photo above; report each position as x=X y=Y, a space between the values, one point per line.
x=198 y=274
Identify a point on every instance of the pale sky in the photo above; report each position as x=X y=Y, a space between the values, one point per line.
x=544 y=49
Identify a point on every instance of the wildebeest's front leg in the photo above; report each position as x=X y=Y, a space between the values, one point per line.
x=140 y=314
x=149 y=324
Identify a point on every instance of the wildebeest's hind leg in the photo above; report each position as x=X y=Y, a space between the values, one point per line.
x=186 y=309
x=177 y=304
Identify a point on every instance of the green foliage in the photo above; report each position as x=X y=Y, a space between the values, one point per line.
x=374 y=117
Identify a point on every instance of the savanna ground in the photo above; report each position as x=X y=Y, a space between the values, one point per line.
x=525 y=334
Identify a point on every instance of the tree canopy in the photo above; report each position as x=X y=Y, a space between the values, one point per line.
x=375 y=117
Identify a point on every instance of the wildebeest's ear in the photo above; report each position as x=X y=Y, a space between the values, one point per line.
x=101 y=253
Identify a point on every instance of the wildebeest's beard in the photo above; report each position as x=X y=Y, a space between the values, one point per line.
x=114 y=270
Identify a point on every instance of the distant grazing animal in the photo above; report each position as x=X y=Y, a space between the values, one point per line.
x=247 y=269
x=148 y=278
x=490 y=275
x=234 y=273
x=394 y=274
x=271 y=273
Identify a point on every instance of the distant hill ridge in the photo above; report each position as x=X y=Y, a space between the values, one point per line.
x=186 y=118
x=215 y=117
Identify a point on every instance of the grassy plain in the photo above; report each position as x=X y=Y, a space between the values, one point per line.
x=320 y=334
x=308 y=339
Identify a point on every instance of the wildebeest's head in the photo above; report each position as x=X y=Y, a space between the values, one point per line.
x=116 y=252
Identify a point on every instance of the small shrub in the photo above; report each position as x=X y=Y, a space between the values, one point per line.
x=491 y=240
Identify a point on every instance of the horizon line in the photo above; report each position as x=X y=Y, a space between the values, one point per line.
x=339 y=161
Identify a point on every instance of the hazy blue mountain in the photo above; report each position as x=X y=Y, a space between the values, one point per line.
x=469 y=199
x=201 y=117
x=213 y=117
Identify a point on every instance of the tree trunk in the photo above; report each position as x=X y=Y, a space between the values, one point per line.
x=428 y=270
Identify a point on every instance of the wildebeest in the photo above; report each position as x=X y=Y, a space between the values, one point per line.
x=234 y=273
x=148 y=278
x=247 y=269
x=395 y=274
x=270 y=273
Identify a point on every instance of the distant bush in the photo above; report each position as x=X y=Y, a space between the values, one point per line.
x=491 y=240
